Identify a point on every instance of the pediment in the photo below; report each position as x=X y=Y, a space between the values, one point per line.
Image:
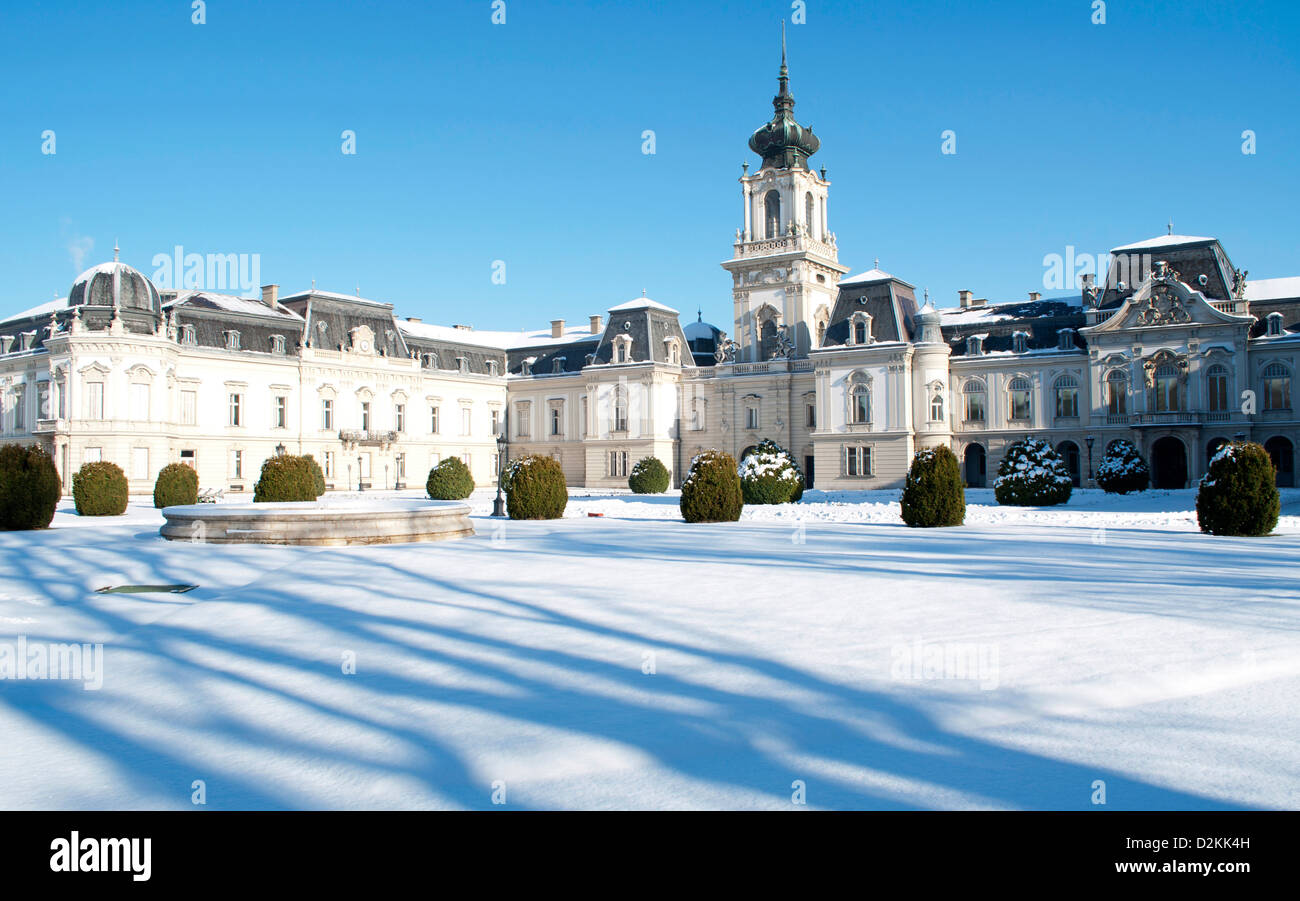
x=1164 y=301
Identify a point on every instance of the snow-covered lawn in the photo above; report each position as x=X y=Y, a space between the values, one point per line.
x=634 y=661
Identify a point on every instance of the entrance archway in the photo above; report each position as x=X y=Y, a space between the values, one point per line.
x=975 y=465
x=1283 y=453
x=1069 y=452
x=1169 y=463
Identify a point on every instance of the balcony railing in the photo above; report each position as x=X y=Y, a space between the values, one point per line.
x=365 y=438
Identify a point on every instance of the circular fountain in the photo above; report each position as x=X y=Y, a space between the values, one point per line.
x=333 y=522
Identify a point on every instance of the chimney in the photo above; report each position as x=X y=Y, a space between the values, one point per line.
x=596 y=325
x=557 y=328
x=414 y=319
x=964 y=298
x=1034 y=295
x=271 y=296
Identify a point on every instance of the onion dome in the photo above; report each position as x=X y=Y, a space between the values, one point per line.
x=783 y=143
x=114 y=284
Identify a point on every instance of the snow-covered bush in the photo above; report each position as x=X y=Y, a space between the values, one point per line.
x=711 y=491
x=100 y=489
x=649 y=476
x=177 y=484
x=535 y=488
x=1238 y=494
x=450 y=480
x=29 y=487
x=933 y=494
x=285 y=478
x=1032 y=475
x=1123 y=470
x=768 y=475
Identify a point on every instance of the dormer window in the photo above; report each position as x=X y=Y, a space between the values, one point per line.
x=187 y=335
x=1274 y=325
x=526 y=367
x=622 y=352
x=672 y=352
x=491 y=367
x=462 y=364
x=975 y=345
x=860 y=329
x=232 y=340
x=1020 y=342
x=557 y=365
x=1065 y=339
x=277 y=344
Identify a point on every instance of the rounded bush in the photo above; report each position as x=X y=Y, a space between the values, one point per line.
x=176 y=484
x=1123 y=470
x=317 y=474
x=649 y=476
x=535 y=488
x=711 y=491
x=1032 y=475
x=100 y=489
x=933 y=494
x=284 y=478
x=29 y=487
x=768 y=475
x=450 y=480
x=1238 y=494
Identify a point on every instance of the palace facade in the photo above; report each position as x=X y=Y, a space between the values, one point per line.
x=1175 y=350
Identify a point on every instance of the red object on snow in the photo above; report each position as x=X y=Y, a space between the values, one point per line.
x=595 y=514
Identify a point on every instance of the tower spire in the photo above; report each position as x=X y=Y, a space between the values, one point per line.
x=783 y=143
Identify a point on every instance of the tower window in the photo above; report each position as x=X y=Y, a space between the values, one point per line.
x=808 y=208
x=772 y=214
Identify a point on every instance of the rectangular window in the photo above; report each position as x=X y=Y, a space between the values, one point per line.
x=810 y=416
x=365 y=416
x=857 y=461
x=189 y=459
x=1277 y=393
x=399 y=417
x=1067 y=403
x=236 y=409
x=464 y=420
x=92 y=455
x=1167 y=398
x=618 y=464
x=281 y=412
x=236 y=464
x=975 y=406
x=327 y=414
x=139 y=462
x=189 y=407
x=1020 y=403
x=1117 y=397
x=556 y=421
x=20 y=409
x=43 y=400
x=400 y=465
x=1218 y=393
x=433 y=420
x=523 y=412
x=496 y=422
x=140 y=403
x=329 y=464
x=751 y=417
x=582 y=425
x=94 y=400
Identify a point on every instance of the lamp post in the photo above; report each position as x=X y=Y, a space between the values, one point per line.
x=385 y=476
x=499 y=505
x=279 y=450
x=1088 y=441
x=361 y=486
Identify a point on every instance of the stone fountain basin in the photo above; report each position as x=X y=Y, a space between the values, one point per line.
x=338 y=523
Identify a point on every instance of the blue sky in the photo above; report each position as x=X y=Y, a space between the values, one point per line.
x=522 y=142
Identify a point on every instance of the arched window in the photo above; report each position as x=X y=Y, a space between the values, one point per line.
x=1277 y=387
x=1019 y=392
x=860 y=404
x=620 y=408
x=1216 y=388
x=772 y=214
x=1117 y=393
x=975 y=393
x=936 y=406
x=1166 y=396
x=808 y=212
x=1067 y=398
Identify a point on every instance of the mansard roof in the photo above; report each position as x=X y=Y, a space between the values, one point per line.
x=889 y=301
x=997 y=324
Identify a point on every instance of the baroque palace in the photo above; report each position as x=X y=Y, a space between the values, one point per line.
x=1175 y=351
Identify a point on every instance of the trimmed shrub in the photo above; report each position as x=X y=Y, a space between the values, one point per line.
x=284 y=478
x=29 y=487
x=176 y=484
x=1123 y=470
x=649 y=476
x=1238 y=494
x=933 y=494
x=1032 y=475
x=450 y=480
x=768 y=475
x=535 y=488
x=711 y=491
x=317 y=474
x=100 y=489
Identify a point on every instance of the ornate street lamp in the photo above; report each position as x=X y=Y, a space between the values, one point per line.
x=279 y=450
x=499 y=505
x=1088 y=441
x=361 y=486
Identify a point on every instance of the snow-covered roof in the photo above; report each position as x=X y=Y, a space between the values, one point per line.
x=871 y=275
x=1161 y=241
x=45 y=309
x=1273 y=288
x=230 y=303
x=333 y=295
x=494 y=339
x=642 y=303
